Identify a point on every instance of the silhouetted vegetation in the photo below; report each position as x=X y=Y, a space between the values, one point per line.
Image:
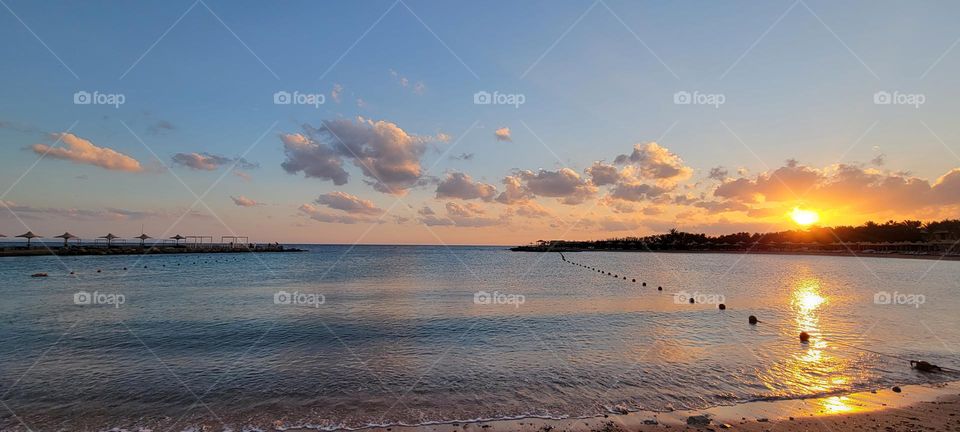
x=820 y=238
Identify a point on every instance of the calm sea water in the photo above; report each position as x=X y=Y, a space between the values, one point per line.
x=342 y=337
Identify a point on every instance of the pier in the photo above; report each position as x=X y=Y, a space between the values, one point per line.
x=108 y=245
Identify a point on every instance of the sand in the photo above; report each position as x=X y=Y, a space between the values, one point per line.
x=914 y=408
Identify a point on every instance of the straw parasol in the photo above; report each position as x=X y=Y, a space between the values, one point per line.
x=109 y=238
x=177 y=238
x=143 y=238
x=66 y=237
x=29 y=235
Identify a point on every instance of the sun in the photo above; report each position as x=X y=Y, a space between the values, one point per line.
x=804 y=217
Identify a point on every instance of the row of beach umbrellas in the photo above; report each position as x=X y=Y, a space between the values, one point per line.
x=29 y=235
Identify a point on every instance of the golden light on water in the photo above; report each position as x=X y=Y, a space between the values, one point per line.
x=804 y=217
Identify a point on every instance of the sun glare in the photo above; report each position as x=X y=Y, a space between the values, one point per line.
x=804 y=217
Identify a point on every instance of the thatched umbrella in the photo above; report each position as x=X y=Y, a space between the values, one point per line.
x=177 y=238
x=66 y=237
x=109 y=238
x=29 y=235
x=143 y=238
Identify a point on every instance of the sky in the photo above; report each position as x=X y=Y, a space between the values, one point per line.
x=502 y=122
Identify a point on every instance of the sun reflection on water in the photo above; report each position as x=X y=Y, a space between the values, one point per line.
x=811 y=368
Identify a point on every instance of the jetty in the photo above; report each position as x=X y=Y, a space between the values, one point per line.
x=109 y=245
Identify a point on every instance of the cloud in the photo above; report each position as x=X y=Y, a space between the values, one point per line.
x=503 y=134
x=564 y=183
x=82 y=151
x=243 y=175
x=468 y=215
x=209 y=162
x=879 y=160
x=243 y=201
x=385 y=153
x=515 y=191
x=655 y=162
x=349 y=203
x=843 y=188
x=418 y=87
x=463 y=156
x=108 y=213
x=461 y=185
x=602 y=174
x=315 y=159
x=532 y=210
x=718 y=173
x=637 y=191
x=336 y=93
x=319 y=215
x=161 y=127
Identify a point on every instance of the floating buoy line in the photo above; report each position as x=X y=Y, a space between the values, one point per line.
x=919 y=365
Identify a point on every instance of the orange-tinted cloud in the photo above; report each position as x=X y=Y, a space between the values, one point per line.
x=82 y=151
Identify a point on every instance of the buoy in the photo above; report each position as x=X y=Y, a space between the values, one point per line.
x=804 y=337
x=722 y=306
x=124 y=268
x=692 y=301
x=753 y=319
x=644 y=284
x=71 y=272
x=624 y=278
x=634 y=281
x=98 y=270
x=659 y=288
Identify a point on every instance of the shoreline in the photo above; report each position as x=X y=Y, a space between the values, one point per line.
x=744 y=252
x=915 y=407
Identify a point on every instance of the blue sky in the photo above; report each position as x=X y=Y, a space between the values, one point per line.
x=798 y=80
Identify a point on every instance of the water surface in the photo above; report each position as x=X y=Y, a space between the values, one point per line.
x=401 y=338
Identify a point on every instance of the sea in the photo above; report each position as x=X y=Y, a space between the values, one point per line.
x=344 y=337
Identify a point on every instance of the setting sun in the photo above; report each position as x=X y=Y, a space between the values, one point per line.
x=804 y=217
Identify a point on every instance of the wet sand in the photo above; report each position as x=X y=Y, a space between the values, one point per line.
x=915 y=408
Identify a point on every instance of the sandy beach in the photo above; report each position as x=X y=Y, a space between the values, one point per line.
x=913 y=408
